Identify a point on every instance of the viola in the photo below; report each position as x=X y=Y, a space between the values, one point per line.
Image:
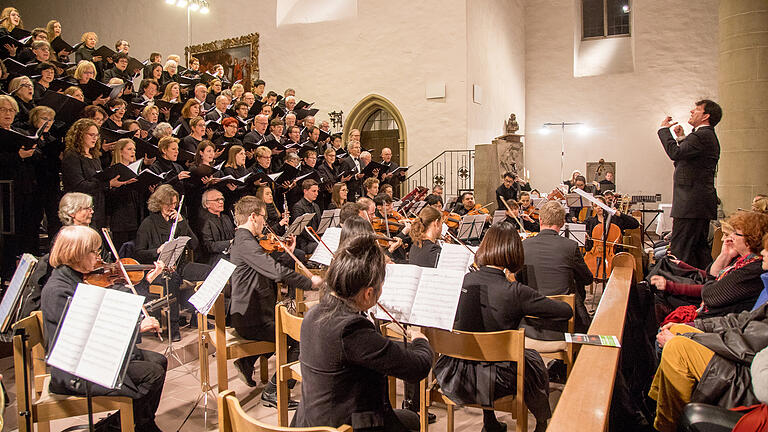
x=451 y=219
x=478 y=209
x=109 y=274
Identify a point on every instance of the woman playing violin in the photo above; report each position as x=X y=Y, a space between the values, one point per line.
x=75 y=253
x=385 y=222
x=515 y=217
x=527 y=207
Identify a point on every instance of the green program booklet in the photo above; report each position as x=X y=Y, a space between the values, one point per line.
x=581 y=338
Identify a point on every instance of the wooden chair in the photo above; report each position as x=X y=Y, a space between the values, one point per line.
x=232 y=418
x=508 y=345
x=717 y=242
x=42 y=405
x=559 y=350
x=285 y=325
x=231 y=346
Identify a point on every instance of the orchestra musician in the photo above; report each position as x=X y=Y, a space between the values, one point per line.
x=515 y=217
x=371 y=187
x=75 y=253
x=508 y=190
x=466 y=205
x=500 y=252
x=254 y=290
x=345 y=360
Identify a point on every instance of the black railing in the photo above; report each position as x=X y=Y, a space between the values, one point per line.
x=451 y=169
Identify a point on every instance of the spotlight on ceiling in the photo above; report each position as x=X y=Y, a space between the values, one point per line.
x=194 y=6
x=544 y=130
x=204 y=7
x=181 y=3
x=625 y=8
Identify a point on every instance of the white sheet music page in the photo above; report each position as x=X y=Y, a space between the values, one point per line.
x=399 y=291
x=112 y=334
x=20 y=276
x=455 y=257
x=209 y=291
x=437 y=298
x=331 y=238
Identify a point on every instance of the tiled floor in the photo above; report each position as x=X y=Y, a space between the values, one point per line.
x=182 y=390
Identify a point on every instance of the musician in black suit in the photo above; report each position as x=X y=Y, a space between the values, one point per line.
x=694 y=199
x=386 y=175
x=307 y=205
x=352 y=164
x=555 y=266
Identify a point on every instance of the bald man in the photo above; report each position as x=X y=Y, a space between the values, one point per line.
x=386 y=175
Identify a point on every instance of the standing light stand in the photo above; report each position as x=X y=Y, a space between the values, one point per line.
x=562 y=126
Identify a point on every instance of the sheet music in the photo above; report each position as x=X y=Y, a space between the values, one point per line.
x=299 y=223
x=455 y=257
x=589 y=197
x=399 y=291
x=95 y=334
x=576 y=231
x=437 y=298
x=498 y=216
x=135 y=166
x=10 y=299
x=209 y=291
x=331 y=238
x=172 y=250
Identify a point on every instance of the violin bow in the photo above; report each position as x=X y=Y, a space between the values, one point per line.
x=394 y=320
x=128 y=282
x=317 y=238
x=454 y=238
x=519 y=222
x=301 y=266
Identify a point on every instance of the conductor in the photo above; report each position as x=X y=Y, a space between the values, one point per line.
x=694 y=199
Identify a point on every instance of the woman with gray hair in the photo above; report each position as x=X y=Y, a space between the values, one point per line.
x=163 y=129
x=76 y=208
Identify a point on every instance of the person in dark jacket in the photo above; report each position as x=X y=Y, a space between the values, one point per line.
x=166 y=163
x=708 y=362
x=217 y=229
x=694 y=198
x=254 y=289
x=515 y=217
x=306 y=205
x=124 y=204
x=555 y=266
x=344 y=359
x=80 y=165
x=75 y=253
x=733 y=280
x=490 y=302
x=154 y=232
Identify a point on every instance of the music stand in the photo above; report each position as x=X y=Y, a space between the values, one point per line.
x=574 y=200
x=471 y=227
x=329 y=219
x=498 y=216
x=11 y=305
x=417 y=207
x=575 y=231
x=170 y=256
x=298 y=225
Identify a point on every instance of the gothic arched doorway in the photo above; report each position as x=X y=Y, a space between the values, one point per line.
x=380 y=125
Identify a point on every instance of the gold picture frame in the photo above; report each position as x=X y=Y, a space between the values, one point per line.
x=239 y=56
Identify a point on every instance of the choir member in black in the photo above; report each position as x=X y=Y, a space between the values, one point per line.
x=154 y=232
x=515 y=217
x=119 y=69
x=293 y=136
x=389 y=166
x=327 y=172
x=204 y=156
x=371 y=187
x=313 y=134
x=116 y=109
x=47 y=73
x=50 y=151
x=254 y=138
x=230 y=134
x=124 y=204
x=254 y=289
x=23 y=92
x=500 y=251
x=344 y=359
x=171 y=94
x=86 y=50
x=308 y=163
x=306 y=205
x=201 y=96
x=75 y=253
x=276 y=220
x=166 y=163
x=290 y=121
x=85 y=72
x=216 y=230
x=170 y=72
x=196 y=135
x=235 y=166
x=338 y=196
x=10 y=18
x=190 y=110
x=262 y=168
x=20 y=166
x=352 y=165
x=95 y=113
x=623 y=221
x=81 y=163
x=41 y=52
x=214 y=91
x=241 y=111
x=219 y=109
x=291 y=190
x=155 y=72
x=275 y=133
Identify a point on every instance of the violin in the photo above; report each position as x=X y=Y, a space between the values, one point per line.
x=556 y=194
x=478 y=209
x=270 y=243
x=531 y=211
x=451 y=219
x=109 y=274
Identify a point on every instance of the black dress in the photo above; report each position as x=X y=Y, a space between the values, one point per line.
x=489 y=302
x=77 y=175
x=124 y=208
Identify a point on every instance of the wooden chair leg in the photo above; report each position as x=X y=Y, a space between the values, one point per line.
x=221 y=370
x=423 y=413
x=449 y=408
x=392 y=389
x=263 y=369
x=522 y=417
x=43 y=426
x=282 y=400
x=126 y=418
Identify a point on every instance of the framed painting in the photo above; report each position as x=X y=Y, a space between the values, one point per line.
x=239 y=56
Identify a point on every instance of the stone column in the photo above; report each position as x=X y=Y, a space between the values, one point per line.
x=743 y=88
x=505 y=153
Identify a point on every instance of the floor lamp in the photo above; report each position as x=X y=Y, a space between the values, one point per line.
x=562 y=125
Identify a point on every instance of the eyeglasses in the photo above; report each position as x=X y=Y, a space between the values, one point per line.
x=97 y=251
x=7 y=110
x=216 y=200
x=28 y=85
x=92 y=134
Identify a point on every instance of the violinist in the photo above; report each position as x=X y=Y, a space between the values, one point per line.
x=345 y=359
x=254 y=290
x=425 y=231
x=75 y=253
x=515 y=217
x=467 y=206
x=369 y=206
x=387 y=189
x=389 y=223
x=526 y=205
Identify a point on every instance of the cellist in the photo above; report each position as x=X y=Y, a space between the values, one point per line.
x=623 y=221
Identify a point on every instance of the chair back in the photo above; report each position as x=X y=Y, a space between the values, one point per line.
x=232 y=418
x=570 y=300
x=507 y=345
x=29 y=352
x=286 y=323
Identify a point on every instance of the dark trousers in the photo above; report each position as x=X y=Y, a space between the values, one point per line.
x=689 y=241
x=267 y=334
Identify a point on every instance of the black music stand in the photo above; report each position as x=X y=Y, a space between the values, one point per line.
x=329 y=219
x=471 y=227
x=170 y=256
x=298 y=225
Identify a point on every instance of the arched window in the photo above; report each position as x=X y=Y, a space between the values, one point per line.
x=380 y=120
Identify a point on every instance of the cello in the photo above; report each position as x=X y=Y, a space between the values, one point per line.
x=594 y=257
